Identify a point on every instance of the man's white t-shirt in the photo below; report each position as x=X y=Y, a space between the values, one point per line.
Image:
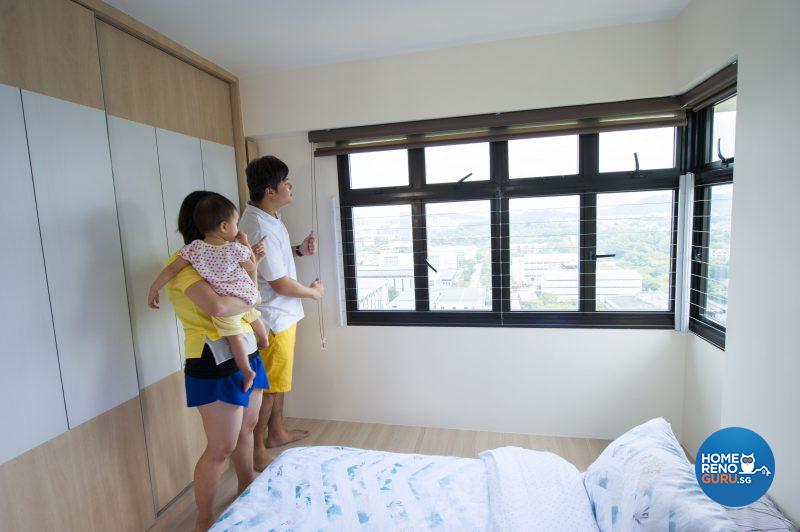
x=278 y=312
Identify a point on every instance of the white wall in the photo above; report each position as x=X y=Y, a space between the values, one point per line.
x=756 y=378
x=705 y=365
x=617 y=63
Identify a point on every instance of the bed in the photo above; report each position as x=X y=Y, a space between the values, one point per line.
x=642 y=481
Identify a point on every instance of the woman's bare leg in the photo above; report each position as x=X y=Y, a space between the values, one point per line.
x=242 y=456
x=222 y=423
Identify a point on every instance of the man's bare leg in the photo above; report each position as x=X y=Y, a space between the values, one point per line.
x=278 y=434
x=261 y=457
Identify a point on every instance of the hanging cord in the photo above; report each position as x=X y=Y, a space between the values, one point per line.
x=315 y=228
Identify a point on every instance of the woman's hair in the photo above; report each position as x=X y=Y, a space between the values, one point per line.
x=211 y=211
x=186 y=222
x=263 y=173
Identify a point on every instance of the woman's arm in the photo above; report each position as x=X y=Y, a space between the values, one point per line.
x=212 y=303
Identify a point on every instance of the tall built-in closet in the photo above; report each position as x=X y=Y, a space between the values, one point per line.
x=103 y=134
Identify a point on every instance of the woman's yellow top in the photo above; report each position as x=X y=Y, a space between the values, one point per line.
x=197 y=324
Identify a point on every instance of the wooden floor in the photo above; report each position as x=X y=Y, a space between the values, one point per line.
x=467 y=443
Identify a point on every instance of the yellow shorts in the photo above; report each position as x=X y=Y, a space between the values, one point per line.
x=232 y=325
x=278 y=358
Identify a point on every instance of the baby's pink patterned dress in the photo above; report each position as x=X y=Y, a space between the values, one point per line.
x=219 y=265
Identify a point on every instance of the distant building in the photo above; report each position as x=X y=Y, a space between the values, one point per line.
x=472 y=298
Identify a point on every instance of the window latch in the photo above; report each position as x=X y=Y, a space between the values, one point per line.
x=461 y=181
x=637 y=172
x=431 y=267
x=725 y=162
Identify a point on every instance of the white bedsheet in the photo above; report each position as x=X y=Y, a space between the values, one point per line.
x=532 y=490
x=337 y=488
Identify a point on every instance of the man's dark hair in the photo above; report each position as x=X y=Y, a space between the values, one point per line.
x=212 y=210
x=263 y=173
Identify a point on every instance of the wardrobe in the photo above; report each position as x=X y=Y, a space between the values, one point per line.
x=106 y=127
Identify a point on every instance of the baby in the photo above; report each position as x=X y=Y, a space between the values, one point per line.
x=219 y=258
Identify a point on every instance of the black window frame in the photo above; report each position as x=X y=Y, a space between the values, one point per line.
x=707 y=174
x=588 y=182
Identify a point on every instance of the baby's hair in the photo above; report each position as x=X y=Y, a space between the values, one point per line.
x=211 y=211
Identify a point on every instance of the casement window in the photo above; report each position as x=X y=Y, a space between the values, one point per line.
x=715 y=127
x=558 y=244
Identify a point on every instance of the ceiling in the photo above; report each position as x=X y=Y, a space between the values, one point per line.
x=255 y=36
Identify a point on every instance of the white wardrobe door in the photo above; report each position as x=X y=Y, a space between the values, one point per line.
x=219 y=169
x=137 y=181
x=80 y=236
x=31 y=398
x=181 y=173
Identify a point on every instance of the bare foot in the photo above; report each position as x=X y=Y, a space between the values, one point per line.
x=261 y=458
x=247 y=379
x=285 y=438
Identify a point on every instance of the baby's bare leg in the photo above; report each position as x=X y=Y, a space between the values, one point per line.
x=261 y=333
x=239 y=351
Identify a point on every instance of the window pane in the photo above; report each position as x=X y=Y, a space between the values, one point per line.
x=723 y=129
x=544 y=241
x=719 y=251
x=459 y=248
x=448 y=164
x=655 y=147
x=542 y=157
x=384 y=258
x=637 y=228
x=379 y=169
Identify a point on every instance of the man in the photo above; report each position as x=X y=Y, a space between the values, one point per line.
x=281 y=308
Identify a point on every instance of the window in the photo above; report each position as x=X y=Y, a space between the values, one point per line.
x=384 y=258
x=379 y=169
x=634 y=248
x=543 y=157
x=448 y=164
x=459 y=253
x=500 y=250
x=654 y=148
x=711 y=234
x=723 y=129
x=718 y=254
x=545 y=250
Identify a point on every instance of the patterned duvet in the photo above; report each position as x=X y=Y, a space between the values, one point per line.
x=338 y=488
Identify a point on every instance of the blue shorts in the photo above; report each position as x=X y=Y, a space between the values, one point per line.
x=202 y=391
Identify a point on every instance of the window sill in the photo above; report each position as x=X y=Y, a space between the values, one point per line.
x=573 y=320
x=708 y=333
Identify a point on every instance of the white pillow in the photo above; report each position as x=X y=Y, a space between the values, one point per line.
x=643 y=481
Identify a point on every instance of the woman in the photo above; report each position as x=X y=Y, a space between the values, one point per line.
x=229 y=414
